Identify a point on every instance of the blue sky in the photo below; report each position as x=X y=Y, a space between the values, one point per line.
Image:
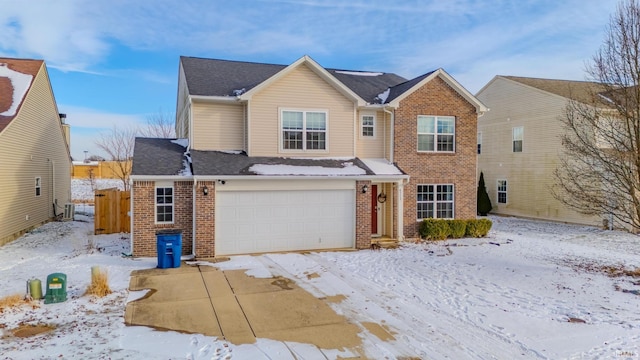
x=115 y=62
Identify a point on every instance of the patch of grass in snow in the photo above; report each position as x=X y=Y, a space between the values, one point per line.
x=12 y=301
x=99 y=284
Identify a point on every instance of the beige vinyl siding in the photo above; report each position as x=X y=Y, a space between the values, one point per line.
x=217 y=126
x=183 y=108
x=33 y=145
x=372 y=147
x=301 y=89
x=529 y=174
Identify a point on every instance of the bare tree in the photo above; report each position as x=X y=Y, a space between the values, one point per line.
x=159 y=125
x=118 y=145
x=599 y=173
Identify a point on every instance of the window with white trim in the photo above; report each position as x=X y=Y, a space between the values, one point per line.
x=436 y=133
x=502 y=191
x=435 y=201
x=164 y=204
x=368 y=126
x=304 y=130
x=38 y=186
x=518 y=136
x=479 y=142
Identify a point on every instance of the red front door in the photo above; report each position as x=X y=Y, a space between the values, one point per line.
x=374 y=209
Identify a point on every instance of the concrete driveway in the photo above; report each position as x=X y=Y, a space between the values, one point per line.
x=237 y=307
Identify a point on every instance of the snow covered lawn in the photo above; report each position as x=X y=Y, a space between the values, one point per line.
x=529 y=290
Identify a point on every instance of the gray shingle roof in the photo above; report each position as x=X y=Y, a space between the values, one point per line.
x=222 y=163
x=213 y=77
x=157 y=157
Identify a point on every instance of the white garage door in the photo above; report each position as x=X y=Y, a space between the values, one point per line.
x=266 y=221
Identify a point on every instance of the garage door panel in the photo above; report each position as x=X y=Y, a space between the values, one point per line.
x=255 y=221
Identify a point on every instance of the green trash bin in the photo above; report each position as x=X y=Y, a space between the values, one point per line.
x=56 y=288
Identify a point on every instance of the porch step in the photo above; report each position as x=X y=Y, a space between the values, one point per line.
x=385 y=243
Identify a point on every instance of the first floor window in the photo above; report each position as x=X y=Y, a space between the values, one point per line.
x=304 y=130
x=518 y=136
x=164 y=204
x=435 y=201
x=436 y=133
x=502 y=191
x=38 y=186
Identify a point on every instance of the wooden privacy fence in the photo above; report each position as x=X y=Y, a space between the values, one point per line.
x=112 y=211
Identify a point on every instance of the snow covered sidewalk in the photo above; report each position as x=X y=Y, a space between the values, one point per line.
x=529 y=290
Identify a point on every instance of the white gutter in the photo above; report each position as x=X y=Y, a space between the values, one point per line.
x=386 y=177
x=160 y=177
x=215 y=98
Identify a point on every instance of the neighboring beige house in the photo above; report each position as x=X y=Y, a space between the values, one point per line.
x=519 y=144
x=108 y=169
x=300 y=157
x=35 y=165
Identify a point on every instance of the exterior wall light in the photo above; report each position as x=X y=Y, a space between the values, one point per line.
x=365 y=188
x=205 y=190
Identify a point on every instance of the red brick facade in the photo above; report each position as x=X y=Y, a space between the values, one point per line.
x=144 y=224
x=205 y=219
x=363 y=215
x=459 y=168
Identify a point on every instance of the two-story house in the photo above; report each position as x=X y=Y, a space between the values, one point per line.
x=35 y=165
x=520 y=146
x=300 y=157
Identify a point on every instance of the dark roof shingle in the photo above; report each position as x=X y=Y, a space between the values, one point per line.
x=212 y=77
x=157 y=157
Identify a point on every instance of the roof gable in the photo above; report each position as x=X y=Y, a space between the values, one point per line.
x=16 y=78
x=317 y=69
x=401 y=91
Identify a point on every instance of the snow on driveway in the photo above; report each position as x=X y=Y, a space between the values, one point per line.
x=530 y=290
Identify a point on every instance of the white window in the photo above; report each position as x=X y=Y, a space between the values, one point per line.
x=368 y=126
x=38 y=186
x=479 y=143
x=518 y=135
x=304 y=130
x=435 y=201
x=164 y=204
x=436 y=133
x=502 y=191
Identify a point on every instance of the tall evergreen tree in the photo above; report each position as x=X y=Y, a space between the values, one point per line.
x=484 y=202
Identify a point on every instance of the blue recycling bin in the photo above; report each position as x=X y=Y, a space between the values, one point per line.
x=169 y=247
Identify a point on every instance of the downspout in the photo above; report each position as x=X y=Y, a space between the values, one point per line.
x=193 y=218
x=131 y=234
x=392 y=133
x=356 y=129
x=53 y=190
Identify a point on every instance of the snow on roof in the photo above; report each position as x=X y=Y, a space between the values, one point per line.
x=348 y=169
x=359 y=73
x=20 y=83
x=381 y=167
x=181 y=142
x=384 y=95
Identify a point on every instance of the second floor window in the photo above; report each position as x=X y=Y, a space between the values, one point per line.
x=479 y=143
x=518 y=136
x=368 y=126
x=436 y=133
x=304 y=130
